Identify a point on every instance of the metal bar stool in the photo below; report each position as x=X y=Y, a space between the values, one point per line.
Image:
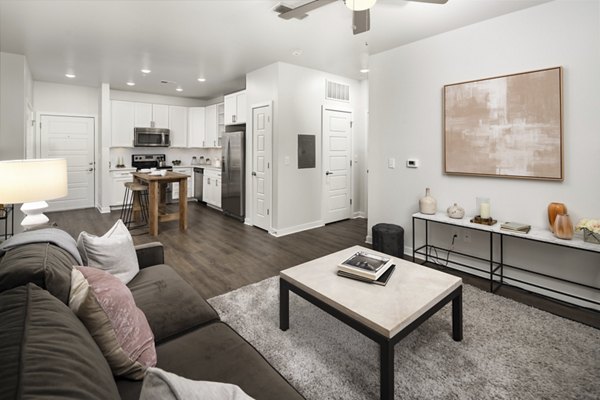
x=135 y=205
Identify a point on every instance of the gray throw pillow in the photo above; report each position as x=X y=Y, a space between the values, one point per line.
x=114 y=252
x=163 y=385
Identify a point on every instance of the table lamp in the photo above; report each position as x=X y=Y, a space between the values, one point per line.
x=32 y=182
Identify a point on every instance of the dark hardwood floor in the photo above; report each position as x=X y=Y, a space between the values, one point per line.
x=219 y=254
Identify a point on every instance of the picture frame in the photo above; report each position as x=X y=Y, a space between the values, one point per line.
x=507 y=126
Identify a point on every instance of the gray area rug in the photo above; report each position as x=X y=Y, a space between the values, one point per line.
x=509 y=350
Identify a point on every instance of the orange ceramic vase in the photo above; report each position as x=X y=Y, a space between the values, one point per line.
x=563 y=227
x=553 y=210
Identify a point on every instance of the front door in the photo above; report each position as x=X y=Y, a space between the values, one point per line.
x=337 y=173
x=261 y=166
x=71 y=138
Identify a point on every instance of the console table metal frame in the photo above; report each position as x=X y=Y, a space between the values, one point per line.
x=8 y=209
x=386 y=344
x=496 y=267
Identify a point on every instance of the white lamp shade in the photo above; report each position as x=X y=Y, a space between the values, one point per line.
x=24 y=181
x=359 y=5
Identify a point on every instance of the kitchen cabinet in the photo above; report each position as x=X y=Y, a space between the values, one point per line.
x=197 y=126
x=122 y=123
x=151 y=115
x=178 y=125
x=211 y=126
x=235 y=108
x=211 y=193
x=117 y=188
x=190 y=183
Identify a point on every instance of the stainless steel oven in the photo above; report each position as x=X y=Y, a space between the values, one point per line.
x=151 y=137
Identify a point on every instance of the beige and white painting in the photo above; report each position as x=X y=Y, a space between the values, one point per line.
x=508 y=126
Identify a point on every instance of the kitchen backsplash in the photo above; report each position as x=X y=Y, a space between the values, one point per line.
x=185 y=155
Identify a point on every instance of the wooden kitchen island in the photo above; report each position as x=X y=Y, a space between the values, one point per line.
x=157 y=196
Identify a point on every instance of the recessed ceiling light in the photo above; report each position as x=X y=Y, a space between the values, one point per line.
x=364 y=70
x=179 y=89
x=130 y=83
x=297 y=52
x=201 y=79
x=70 y=76
x=145 y=71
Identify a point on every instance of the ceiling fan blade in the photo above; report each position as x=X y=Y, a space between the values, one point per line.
x=300 y=11
x=431 y=1
x=361 y=21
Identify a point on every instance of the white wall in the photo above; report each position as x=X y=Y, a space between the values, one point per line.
x=298 y=94
x=57 y=98
x=15 y=94
x=406 y=121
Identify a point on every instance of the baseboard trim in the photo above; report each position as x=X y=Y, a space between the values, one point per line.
x=359 y=214
x=369 y=239
x=296 y=229
x=102 y=210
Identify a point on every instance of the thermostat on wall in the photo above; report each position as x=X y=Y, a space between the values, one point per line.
x=412 y=163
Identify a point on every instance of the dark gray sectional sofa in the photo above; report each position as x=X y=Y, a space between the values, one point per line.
x=46 y=351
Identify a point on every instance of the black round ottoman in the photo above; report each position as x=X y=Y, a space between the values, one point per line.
x=389 y=239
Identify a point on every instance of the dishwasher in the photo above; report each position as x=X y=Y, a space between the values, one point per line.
x=198 y=182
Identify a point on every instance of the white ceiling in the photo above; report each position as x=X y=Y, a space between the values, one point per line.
x=221 y=40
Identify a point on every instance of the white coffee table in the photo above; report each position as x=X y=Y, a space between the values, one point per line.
x=385 y=314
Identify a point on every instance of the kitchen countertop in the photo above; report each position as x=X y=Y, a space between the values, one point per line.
x=121 y=169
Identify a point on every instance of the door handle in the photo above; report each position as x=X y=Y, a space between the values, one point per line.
x=253 y=173
x=90 y=170
x=328 y=173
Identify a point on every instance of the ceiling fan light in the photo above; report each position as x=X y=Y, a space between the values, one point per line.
x=359 y=5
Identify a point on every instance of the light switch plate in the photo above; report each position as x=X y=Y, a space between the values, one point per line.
x=391 y=162
x=286 y=160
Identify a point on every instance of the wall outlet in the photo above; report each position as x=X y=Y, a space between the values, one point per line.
x=412 y=163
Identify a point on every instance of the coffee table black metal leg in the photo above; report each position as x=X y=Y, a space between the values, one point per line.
x=457 y=317
x=387 y=370
x=284 y=305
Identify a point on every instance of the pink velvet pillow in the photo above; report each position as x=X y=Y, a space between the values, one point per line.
x=107 y=309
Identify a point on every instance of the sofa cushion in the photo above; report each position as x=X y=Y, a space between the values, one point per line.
x=44 y=264
x=107 y=309
x=163 y=385
x=217 y=353
x=46 y=351
x=171 y=305
x=113 y=252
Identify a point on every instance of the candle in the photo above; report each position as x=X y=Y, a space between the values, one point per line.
x=484 y=212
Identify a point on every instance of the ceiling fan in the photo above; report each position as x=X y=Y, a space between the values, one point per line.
x=361 y=21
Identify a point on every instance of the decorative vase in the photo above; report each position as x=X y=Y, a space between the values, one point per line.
x=456 y=211
x=427 y=204
x=591 y=237
x=563 y=227
x=553 y=210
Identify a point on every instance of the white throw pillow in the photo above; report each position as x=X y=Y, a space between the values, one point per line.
x=113 y=252
x=163 y=385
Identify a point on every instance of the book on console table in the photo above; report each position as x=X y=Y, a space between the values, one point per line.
x=382 y=281
x=366 y=265
x=515 y=227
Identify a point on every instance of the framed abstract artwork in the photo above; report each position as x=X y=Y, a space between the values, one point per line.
x=507 y=126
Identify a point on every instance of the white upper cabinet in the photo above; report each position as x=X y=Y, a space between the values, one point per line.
x=122 y=123
x=211 y=126
x=178 y=124
x=196 y=127
x=146 y=114
x=235 y=108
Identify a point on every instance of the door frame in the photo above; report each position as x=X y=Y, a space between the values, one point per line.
x=97 y=148
x=250 y=164
x=350 y=111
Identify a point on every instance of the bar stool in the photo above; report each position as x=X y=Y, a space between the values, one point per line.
x=135 y=205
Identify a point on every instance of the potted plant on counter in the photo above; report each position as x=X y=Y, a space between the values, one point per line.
x=591 y=230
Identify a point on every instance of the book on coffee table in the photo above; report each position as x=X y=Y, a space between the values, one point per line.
x=367 y=265
x=515 y=227
x=382 y=281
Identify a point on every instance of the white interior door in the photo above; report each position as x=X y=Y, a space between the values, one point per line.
x=71 y=138
x=261 y=166
x=337 y=150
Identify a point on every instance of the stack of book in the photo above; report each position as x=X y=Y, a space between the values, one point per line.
x=367 y=267
x=515 y=227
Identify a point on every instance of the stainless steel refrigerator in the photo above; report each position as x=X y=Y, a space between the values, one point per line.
x=232 y=177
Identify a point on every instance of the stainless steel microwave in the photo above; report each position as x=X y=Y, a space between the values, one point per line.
x=151 y=137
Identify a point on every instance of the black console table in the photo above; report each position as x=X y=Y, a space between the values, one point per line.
x=495 y=269
x=6 y=213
